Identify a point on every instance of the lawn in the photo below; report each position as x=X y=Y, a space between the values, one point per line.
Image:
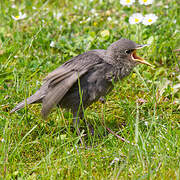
x=143 y=108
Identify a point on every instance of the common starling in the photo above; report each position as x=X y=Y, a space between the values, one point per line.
x=82 y=80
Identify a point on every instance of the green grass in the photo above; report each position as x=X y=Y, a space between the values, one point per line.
x=33 y=148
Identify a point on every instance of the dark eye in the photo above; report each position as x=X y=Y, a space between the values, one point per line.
x=129 y=51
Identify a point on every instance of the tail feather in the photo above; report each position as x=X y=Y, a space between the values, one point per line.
x=35 y=98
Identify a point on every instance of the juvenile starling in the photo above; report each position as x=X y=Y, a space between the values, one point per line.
x=85 y=78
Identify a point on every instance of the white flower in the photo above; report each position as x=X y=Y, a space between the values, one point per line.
x=127 y=2
x=146 y=2
x=88 y=19
x=115 y=160
x=13 y=6
x=135 y=18
x=52 y=44
x=96 y=14
x=146 y=123
x=93 y=11
x=57 y=15
x=149 y=19
x=109 y=18
x=19 y=17
x=105 y=33
x=2 y=140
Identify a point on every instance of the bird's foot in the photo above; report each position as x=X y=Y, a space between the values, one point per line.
x=80 y=135
x=119 y=137
x=91 y=129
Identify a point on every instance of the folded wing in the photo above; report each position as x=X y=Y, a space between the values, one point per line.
x=59 y=81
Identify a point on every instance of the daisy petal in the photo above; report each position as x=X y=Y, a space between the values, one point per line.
x=146 y=2
x=149 y=19
x=19 y=17
x=127 y=2
x=135 y=18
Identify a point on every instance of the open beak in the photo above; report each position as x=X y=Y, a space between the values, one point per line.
x=136 y=58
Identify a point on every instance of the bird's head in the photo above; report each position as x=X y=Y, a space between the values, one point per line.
x=123 y=51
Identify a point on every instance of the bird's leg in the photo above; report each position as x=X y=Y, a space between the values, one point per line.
x=91 y=129
x=76 y=119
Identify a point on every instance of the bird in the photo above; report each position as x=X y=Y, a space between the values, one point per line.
x=85 y=78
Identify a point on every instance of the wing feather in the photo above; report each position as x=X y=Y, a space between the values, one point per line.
x=58 y=82
x=64 y=77
x=57 y=92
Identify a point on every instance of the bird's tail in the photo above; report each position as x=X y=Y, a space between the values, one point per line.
x=35 y=98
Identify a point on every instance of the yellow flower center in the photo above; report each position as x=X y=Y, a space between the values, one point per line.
x=95 y=23
x=136 y=20
x=128 y=1
x=16 y=17
x=149 y=20
x=134 y=75
x=145 y=0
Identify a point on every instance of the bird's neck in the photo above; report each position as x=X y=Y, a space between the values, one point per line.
x=121 y=68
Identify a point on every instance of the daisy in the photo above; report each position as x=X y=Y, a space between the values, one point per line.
x=146 y=2
x=52 y=44
x=146 y=123
x=13 y=6
x=135 y=18
x=105 y=33
x=88 y=19
x=127 y=2
x=93 y=11
x=60 y=27
x=19 y=17
x=96 y=14
x=115 y=160
x=109 y=18
x=149 y=19
x=57 y=15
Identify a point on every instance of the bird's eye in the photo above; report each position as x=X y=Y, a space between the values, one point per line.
x=128 y=51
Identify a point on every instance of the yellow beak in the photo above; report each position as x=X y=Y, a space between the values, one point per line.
x=136 y=58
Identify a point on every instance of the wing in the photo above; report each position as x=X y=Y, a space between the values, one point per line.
x=62 y=79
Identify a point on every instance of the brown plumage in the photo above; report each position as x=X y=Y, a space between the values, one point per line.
x=85 y=78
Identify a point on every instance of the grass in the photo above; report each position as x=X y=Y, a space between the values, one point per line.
x=144 y=108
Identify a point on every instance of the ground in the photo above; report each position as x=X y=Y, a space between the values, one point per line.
x=144 y=108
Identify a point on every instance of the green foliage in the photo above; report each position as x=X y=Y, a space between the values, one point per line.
x=144 y=108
